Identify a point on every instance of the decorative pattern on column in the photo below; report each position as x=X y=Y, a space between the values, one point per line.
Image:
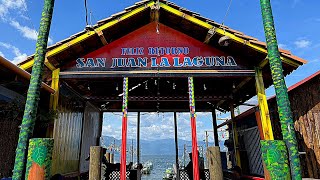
x=284 y=109
x=39 y=159
x=33 y=96
x=193 y=129
x=275 y=158
x=123 y=162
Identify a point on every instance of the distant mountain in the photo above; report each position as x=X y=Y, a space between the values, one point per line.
x=156 y=147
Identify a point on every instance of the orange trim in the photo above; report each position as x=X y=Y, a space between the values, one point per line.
x=258 y=119
x=7 y=64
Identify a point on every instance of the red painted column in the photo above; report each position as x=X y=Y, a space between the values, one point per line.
x=123 y=161
x=193 y=130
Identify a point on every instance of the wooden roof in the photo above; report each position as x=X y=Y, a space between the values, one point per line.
x=108 y=30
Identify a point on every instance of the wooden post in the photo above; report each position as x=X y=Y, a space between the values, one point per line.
x=123 y=163
x=215 y=128
x=195 y=154
x=214 y=159
x=95 y=163
x=176 y=144
x=33 y=95
x=263 y=106
x=235 y=137
x=111 y=158
x=55 y=85
x=284 y=109
x=107 y=155
x=39 y=159
x=207 y=143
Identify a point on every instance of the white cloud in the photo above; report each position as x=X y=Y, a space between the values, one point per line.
x=9 y=5
x=18 y=55
x=282 y=46
x=302 y=43
x=1 y=54
x=27 y=32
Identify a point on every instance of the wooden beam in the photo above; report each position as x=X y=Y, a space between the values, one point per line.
x=263 y=106
x=153 y=73
x=236 y=89
x=235 y=136
x=155 y=12
x=101 y=36
x=56 y=86
x=153 y=98
x=263 y=63
x=30 y=63
x=210 y=34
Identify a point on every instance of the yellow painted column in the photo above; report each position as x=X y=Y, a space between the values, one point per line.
x=235 y=137
x=55 y=85
x=263 y=106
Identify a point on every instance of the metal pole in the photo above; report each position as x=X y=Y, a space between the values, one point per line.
x=235 y=137
x=176 y=144
x=215 y=128
x=138 y=139
x=114 y=145
x=184 y=155
x=33 y=95
x=285 y=113
x=132 y=150
x=207 y=144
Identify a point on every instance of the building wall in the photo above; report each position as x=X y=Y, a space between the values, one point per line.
x=67 y=134
x=10 y=119
x=305 y=105
x=90 y=134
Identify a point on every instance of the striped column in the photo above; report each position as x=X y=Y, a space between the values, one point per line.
x=193 y=129
x=123 y=163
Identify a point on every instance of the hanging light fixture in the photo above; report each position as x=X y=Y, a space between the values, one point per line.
x=117 y=88
x=224 y=41
x=146 y=85
x=173 y=86
x=89 y=87
x=204 y=87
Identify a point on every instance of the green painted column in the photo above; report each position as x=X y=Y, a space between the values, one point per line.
x=275 y=158
x=39 y=159
x=33 y=95
x=285 y=113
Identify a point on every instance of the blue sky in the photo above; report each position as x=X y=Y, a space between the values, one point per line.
x=297 y=24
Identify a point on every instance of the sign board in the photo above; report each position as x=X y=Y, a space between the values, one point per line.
x=154 y=48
